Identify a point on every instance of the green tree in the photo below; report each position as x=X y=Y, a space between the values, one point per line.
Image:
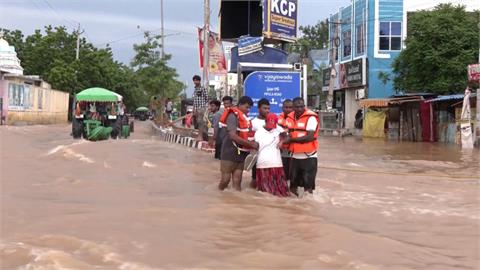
x=314 y=37
x=154 y=76
x=51 y=54
x=440 y=45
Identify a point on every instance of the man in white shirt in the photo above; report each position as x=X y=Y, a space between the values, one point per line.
x=257 y=124
x=303 y=125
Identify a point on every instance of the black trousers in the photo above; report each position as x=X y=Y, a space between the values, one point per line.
x=286 y=167
x=304 y=172
x=218 y=150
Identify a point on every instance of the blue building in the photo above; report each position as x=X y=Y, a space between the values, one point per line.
x=370 y=36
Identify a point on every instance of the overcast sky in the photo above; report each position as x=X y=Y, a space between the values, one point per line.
x=115 y=22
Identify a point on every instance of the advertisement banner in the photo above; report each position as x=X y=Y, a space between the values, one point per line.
x=351 y=74
x=248 y=44
x=474 y=72
x=280 y=19
x=274 y=86
x=216 y=56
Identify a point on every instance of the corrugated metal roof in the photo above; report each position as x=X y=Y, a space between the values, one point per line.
x=384 y=102
x=450 y=97
x=374 y=102
x=422 y=94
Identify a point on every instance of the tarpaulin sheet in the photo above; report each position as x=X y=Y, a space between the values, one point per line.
x=428 y=125
x=374 y=124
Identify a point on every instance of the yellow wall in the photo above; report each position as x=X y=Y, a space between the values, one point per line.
x=45 y=106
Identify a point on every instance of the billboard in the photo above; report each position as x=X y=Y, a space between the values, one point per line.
x=352 y=74
x=276 y=86
x=349 y=75
x=474 y=72
x=280 y=19
x=216 y=56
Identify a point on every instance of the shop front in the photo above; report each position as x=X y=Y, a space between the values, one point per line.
x=350 y=86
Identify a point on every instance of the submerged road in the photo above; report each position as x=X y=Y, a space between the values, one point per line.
x=142 y=203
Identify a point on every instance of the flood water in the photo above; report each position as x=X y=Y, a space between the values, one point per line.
x=142 y=203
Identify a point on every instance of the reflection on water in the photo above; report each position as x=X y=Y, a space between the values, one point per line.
x=145 y=204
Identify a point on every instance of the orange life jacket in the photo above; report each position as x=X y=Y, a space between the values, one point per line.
x=282 y=122
x=298 y=128
x=244 y=128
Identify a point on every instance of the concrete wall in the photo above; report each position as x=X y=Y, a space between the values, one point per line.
x=351 y=108
x=35 y=104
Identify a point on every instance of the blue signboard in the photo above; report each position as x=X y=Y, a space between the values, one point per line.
x=248 y=44
x=276 y=86
x=280 y=19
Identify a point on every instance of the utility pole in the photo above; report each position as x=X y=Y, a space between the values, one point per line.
x=77 y=56
x=206 y=34
x=333 y=72
x=162 y=31
x=78 y=42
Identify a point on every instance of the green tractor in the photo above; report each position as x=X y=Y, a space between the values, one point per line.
x=99 y=114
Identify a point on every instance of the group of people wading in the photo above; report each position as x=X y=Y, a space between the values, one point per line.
x=285 y=145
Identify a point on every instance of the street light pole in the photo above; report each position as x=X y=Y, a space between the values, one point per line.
x=77 y=52
x=333 y=73
x=162 y=31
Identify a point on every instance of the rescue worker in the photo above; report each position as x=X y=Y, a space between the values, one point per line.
x=236 y=144
x=287 y=108
x=303 y=125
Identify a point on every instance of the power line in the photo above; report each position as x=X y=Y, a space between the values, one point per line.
x=135 y=35
x=73 y=22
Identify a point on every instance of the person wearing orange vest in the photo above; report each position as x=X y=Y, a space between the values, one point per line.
x=287 y=108
x=236 y=144
x=303 y=126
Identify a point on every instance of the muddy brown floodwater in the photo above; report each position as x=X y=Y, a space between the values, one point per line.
x=145 y=204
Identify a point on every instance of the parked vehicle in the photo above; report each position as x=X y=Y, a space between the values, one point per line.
x=141 y=113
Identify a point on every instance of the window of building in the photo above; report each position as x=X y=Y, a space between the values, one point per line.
x=360 y=39
x=390 y=36
x=16 y=94
x=347 y=43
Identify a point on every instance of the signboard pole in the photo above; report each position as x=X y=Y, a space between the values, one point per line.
x=206 y=33
x=305 y=89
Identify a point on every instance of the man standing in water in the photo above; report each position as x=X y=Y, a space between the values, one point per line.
x=258 y=123
x=287 y=108
x=218 y=132
x=303 y=125
x=236 y=144
x=200 y=103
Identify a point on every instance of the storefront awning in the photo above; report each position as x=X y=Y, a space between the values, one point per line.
x=450 y=97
